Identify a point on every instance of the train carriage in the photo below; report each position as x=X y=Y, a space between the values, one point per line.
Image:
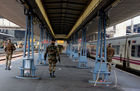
x=127 y=50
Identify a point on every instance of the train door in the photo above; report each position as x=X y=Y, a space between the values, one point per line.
x=121 y=52
x=127 y=52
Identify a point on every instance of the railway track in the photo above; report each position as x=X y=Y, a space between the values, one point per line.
x=3 y=54
x=15 y=54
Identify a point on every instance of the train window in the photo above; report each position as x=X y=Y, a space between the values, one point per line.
x=113 y=46
x=92 y=50
x=117 y=49
x=138 y=53
x=133 y=51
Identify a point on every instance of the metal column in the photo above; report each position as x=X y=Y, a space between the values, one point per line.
x=73 y=42
x=100 y=71
x=67 y=48
x=45 y=47
x=41 y=49
x=83 y=54
x=75 y=54
x=71 y=47
x=27 y=71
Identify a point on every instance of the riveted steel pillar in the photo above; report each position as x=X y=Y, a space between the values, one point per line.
x=75 y=54
x=83 y=54
x=27 y=71
x=100 y=71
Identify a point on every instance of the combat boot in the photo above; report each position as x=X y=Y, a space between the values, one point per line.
x=53 y=74
x=6 y=68
x=9 y=68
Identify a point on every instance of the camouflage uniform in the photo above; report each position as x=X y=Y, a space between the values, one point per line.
x=53 y=55
x=110 y=54
x=9 y=51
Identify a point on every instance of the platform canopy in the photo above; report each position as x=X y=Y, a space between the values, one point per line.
x=63 y=17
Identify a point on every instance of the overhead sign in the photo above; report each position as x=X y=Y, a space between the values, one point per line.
x=60 y=41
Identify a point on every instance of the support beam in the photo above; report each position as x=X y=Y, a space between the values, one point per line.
x=27 y=71
x=63 y=13
x=61 y=22
x=91 y=7
x=75 y=46
x=63 y=17
x=64 y=8
x=67 y=48
x=70 y=44
x=40 y=5
x=101 y=68
x=41 y=49
x=45 y=46
x=83 y=54
x=72 y=47
x=67 y=2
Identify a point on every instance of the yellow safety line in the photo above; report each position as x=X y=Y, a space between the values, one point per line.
x=93 y=4
x=39 y=3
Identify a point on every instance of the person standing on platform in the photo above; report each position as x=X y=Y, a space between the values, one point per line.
x=53 y=57
x=110 y=54
x=9 y=48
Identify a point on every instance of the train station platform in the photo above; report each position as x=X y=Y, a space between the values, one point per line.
x=68 y=78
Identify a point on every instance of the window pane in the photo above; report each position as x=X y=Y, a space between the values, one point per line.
x=113 y=46
x=133 y=51
x=138 y=51
x=117 y=50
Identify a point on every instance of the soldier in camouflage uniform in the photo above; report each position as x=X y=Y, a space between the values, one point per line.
x=53 y=56
x=110 y=54
x=9 y=48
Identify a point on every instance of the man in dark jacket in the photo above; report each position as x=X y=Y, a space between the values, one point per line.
x=9 y=51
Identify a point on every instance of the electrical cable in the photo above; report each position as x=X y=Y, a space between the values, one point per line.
x=114 y=71
x=115 y=75
x=98 y=74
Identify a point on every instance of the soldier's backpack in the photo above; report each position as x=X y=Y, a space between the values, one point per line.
x=10 y=47
x=52 y=50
